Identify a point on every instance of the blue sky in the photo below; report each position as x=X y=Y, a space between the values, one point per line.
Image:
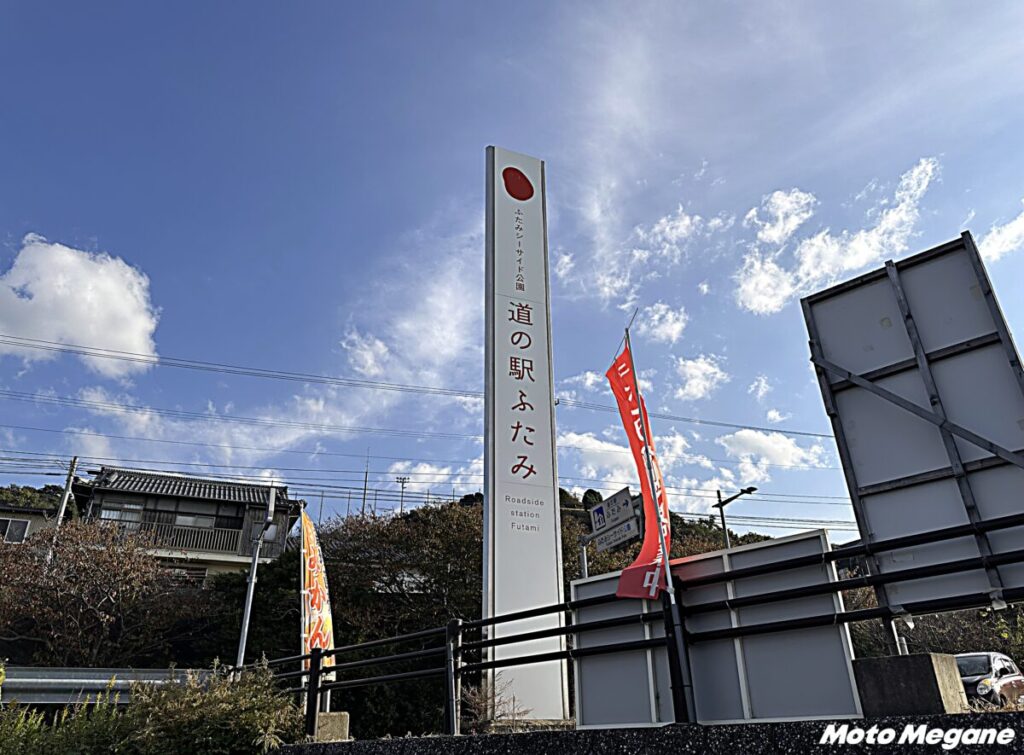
x=302 y=189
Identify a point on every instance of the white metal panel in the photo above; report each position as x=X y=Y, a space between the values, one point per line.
x=979 y=392
x=885 y=441
x=804 y=673
x=947 y=302
x=862 y=330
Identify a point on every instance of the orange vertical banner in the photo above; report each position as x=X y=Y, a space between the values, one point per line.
x=317 y=623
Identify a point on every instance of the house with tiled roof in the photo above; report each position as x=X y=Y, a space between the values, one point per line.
x=197 y=526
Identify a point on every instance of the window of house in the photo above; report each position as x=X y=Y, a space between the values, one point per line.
x=209 y=508
x=129 y=515
x=13 y=530
x=159 y=516
x=229 y=516
x=194 y=520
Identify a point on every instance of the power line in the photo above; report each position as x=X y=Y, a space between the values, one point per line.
x=319 y=452
x=435 y=477
x=71 y=401
x=232 y=369
x=392 y=496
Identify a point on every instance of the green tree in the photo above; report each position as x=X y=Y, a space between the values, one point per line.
x=45 y=497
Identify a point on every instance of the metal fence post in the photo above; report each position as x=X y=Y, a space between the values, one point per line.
x=678 y=663
x=453 y=661
x=313 y=691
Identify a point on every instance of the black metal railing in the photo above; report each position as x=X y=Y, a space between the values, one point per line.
x=315 y=676
x=451 y=653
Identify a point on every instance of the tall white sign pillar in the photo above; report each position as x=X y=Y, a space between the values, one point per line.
x=522 y=536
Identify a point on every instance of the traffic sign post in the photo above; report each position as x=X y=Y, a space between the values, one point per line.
x=614 y=521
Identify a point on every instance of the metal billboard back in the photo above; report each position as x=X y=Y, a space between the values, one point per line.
x=924 y=387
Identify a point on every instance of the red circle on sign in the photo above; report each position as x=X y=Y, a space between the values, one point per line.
x=517 y=184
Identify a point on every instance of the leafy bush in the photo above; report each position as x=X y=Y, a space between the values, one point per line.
x=86 y=728
x=213 y=716
x=217 y=716
x=21 y=730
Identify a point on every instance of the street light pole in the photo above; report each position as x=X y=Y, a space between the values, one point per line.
x=257 y=544
x=721 y=510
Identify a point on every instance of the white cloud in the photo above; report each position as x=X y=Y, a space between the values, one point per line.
x=701 y=376
x=368 y=355
x=775 y=416
x=674 y=451
x=660 y=322
x=785 y=212
x=764 y=286
x=564 y=266
x=1003 y=239
x=757 y=451
x=760 y=388
x=588 y=380
x=668 y=235
x=704 y=287
x=423 y=476
x=598 y=459
x=56 y=293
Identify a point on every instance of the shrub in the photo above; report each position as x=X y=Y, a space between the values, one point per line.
x=86 y=728
x=21 y=730
x=213 y=715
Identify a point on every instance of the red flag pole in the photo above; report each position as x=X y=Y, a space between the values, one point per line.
x=650 y=476
x=683 y=704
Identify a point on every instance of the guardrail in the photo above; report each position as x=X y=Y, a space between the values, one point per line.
x=39 y=685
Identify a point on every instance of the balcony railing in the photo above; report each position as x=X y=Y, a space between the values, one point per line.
x=201 y=539
x=206 y=539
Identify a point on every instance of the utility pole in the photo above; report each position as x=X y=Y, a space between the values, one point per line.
x=401 y=501
x=721 y=510
x=366 y=478
x=63 y=506
x=257 y=543
x=320 y=516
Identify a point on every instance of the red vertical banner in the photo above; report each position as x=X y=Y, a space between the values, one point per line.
x=645 y=577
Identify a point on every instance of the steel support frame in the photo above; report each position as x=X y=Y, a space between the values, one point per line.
x=956 y=463
x=845 y=457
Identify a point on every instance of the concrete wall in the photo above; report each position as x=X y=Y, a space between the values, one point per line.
x=907 y=685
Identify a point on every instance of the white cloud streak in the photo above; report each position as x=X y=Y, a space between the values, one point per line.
x=1003 y=239
x=784 y=213
x=764 y=286
x=760 y=388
